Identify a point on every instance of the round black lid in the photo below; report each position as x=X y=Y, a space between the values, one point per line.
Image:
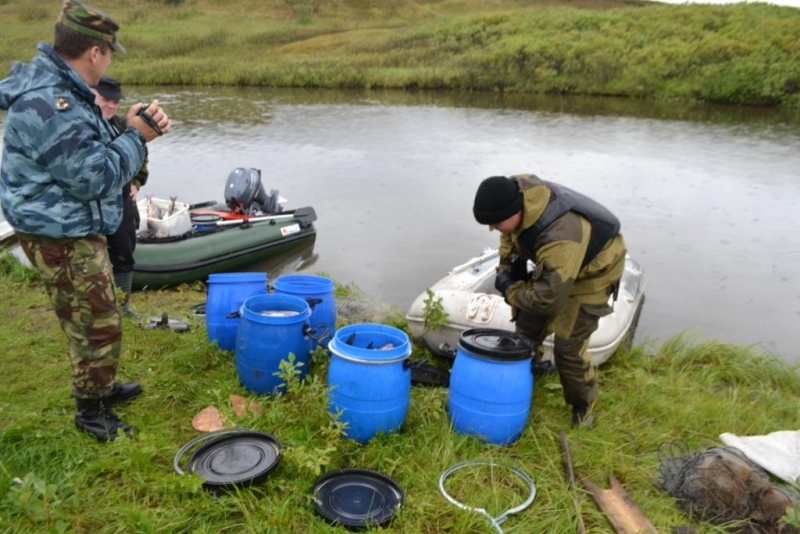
x=494 y=344
x=236 y=458
x=357 y=497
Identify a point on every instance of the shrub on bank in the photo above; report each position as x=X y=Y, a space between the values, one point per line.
x=743 y=54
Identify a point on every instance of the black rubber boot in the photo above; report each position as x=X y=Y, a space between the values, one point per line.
x=581 y=418
x=95 y=418
x=124 y=281
x=122 y=392
x=542 y=367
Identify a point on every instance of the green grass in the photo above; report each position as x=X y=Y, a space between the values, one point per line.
x=56 y=479
x=743 y=54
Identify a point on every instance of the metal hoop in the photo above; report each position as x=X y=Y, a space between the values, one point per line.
x=496 y=521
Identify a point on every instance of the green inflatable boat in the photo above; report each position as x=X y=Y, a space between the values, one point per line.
x=222 y=246
x=179 y=243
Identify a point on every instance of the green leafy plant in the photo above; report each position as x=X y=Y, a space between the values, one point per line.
x=319 y=356
x=792 y=516
x=433 y=315
x=289 y=372
x=315 y=459
x=40 y=503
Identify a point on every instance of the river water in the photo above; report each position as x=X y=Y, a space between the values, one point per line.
x=707 y=196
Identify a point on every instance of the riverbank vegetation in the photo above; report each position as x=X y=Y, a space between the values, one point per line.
x=56 y=479
x=744 y=54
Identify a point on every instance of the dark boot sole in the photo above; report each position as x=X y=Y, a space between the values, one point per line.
x=105 y=434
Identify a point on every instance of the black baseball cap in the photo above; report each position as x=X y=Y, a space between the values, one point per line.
x=110 y=88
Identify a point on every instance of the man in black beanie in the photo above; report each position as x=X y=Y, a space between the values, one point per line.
x=578 y=256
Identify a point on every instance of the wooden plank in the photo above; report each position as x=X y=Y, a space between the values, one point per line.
x=620 y=510
x=567 y=459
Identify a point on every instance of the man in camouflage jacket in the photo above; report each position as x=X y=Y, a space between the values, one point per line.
x=61 y=182
x=578 y=256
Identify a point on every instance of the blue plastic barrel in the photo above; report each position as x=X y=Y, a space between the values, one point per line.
x=369 y=378
x=226 y=294
x=318 y=290
x=273 y=326
x=491 y=385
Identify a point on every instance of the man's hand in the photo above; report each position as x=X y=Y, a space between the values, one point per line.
x=503 y=280
x=149 y=119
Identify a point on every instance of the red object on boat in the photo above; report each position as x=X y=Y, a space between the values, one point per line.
x=222 y=214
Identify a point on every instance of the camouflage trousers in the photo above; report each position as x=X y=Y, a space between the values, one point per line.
x=572 y=328
x=77 y=277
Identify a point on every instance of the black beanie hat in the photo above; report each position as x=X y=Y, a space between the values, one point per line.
x=497 y=199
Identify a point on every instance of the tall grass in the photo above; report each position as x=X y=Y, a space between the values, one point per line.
x=56 y=479
x=744 y=54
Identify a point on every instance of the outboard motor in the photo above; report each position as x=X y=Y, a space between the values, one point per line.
x=244 y=193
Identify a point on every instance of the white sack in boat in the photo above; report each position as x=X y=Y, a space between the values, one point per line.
x=778 y=452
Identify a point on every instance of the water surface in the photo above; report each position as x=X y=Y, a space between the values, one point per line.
x=707 y=196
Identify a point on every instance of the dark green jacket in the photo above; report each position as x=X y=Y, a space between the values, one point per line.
x=557 y=254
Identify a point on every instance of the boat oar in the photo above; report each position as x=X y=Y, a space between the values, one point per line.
x=304 y=216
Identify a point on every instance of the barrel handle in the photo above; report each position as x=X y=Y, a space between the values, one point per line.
x=234 y=314
x=313 y=302
x=447 y=350
x=309 y=331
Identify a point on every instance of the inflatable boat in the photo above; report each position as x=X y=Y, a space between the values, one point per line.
x=178 y=243
x=468 y=297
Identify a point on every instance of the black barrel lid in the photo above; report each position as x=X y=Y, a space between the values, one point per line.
x=236 y=458
x=356 y=497
x=494 y=344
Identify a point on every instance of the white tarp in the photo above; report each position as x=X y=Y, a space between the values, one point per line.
x=778 y=452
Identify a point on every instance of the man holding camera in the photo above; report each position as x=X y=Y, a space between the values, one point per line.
x=62 y=174
x=122 y=243
x=578 y=256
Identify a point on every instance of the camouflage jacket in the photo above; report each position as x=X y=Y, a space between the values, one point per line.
x=120 y=124
x=62 y=171
x=557 y=255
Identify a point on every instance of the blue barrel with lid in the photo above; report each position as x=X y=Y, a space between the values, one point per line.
x=491 y=385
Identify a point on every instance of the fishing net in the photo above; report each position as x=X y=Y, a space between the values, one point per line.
x=722 y=486
x=358 y=308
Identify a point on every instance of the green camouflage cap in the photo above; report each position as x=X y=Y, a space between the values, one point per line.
x=88 y=20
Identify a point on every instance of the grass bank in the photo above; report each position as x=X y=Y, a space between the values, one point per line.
x=56 y=479
x=743 y=54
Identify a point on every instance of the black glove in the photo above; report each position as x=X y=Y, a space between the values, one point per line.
x=503 y=280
